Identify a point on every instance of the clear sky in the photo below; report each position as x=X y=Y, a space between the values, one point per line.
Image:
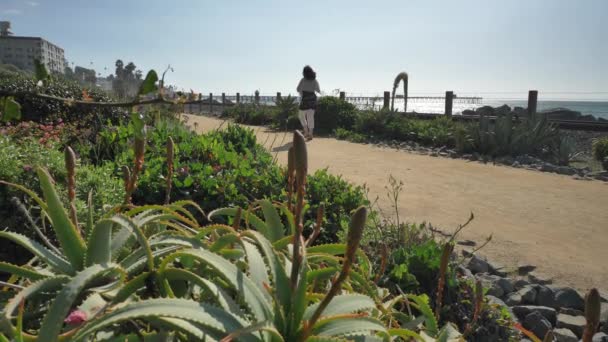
x=479 y=47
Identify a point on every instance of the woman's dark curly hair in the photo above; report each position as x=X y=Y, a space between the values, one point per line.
x=308 y=73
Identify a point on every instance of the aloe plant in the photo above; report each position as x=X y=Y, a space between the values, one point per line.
x=153 y=272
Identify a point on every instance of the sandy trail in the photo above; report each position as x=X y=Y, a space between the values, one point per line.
x=552 y=221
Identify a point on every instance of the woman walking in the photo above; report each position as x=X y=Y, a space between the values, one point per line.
x=308 y=88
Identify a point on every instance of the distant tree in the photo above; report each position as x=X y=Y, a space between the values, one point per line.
x=127 y=79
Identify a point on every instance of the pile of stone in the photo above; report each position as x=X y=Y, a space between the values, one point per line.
x=534 y=301
x=555 y=113
x=525 y=161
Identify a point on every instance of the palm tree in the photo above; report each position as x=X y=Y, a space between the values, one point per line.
x=401 y=77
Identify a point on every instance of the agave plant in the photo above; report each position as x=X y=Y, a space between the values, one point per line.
x=153 y=273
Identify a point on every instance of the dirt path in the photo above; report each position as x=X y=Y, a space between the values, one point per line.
x=555 y=222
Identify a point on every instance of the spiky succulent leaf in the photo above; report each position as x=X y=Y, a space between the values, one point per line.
x=69 y=238
x=343 y=304
x=212 y=321
x=56 y=262
x=63 y=303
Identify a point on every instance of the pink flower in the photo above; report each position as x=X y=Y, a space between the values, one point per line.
x=76 y=317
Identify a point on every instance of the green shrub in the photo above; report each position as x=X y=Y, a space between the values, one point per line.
x=286 y=111
x=338 y=197
x=371 y=122
x=332 y=113
x=154 y=272
x=44 y=110
x=251 y=114
x=344 y=134
x=600 y=151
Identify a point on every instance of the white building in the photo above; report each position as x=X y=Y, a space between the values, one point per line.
x=22 y=51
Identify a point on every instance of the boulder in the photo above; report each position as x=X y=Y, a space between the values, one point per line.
x=536 y=278
x=600 y=337
x=506 y=285
x=490 y=282
x=485 y=110
x=499 y=302
x=569 y=298
x=519 y=283
x=478 y=265
x=562 y=114
x=574 y=323
x=513 y=299
x=565 y=170
x=536 y=323
x=502 y=110
x=545 y=296
x=524 y=269
x=465 y=272
x=521 y=311
x=564 y=335
x=528 y=294
x=571 y=312
x=497 y=269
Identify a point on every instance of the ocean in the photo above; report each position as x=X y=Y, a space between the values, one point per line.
x=599 y=109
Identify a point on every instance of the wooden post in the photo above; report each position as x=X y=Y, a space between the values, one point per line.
x=449 y=100
x=532 y=101
x=343 y=96
x=210 y=103
x=257 y=97
x=238 y=98
x=223 y=101
x=387 y=99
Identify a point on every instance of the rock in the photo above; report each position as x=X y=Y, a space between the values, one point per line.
x=499 y=302
x=574 y=323
x=537 y=324
x=565 y=170
x=571 y=312
x=516 y=164
x=485 y=110
x=502 y=110
x=519 y=283
x=545 y=296
x=548 y=167
x=528 y=294
x=562 y=113
x=465 y=272
x=600 y=337
x=467 y=156
x=434 y=154
x=535 y=278
x=466 y=243
x=521 y=311
x=569 y=298
x=520 y=111
x=443 y=154
x=513 y=299
x=491 y=283
x=564 y=335
x=497 y=269
x=506 y=285
x=466 y=253
x=604 y=313
x=478 y=265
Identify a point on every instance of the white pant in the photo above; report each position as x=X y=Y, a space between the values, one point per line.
x=307 y=119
